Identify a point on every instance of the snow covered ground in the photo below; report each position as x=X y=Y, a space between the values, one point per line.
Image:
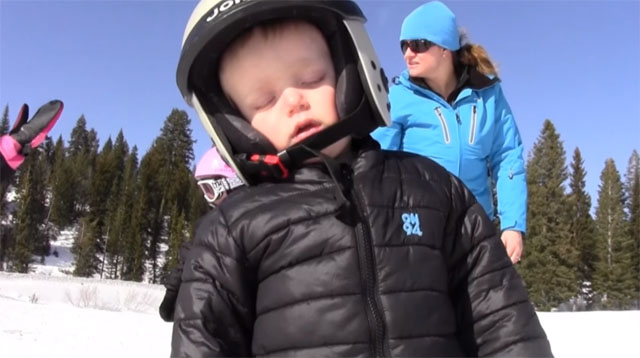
x=48 y=316
x=65 y=317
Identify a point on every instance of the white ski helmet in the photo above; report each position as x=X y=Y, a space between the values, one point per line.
x=361 y=85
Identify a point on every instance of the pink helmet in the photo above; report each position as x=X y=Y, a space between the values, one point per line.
x=215 y=177
x=211 y=166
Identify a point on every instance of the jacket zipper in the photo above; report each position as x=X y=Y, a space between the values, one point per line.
x=459 y=142
x=365 y=256
x=443 y=122
x=472 y=130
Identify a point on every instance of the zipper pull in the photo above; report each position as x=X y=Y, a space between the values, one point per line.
x=458 y=118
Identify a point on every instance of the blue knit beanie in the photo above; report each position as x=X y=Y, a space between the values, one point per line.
x=432 y=21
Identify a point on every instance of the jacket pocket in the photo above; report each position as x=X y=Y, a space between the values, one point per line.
x=443 y=123
x=474 y=124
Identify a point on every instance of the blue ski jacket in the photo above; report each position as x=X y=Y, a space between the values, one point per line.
x=474 y=136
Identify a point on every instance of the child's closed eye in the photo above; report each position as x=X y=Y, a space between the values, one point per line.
x=313 y=79
x=262 y=102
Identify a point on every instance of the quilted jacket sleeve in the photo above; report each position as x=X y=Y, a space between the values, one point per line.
x=214 y=310
x=493 y=311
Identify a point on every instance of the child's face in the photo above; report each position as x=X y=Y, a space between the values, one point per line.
x=283 y=83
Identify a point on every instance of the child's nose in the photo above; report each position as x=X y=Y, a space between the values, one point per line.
x=295 y=101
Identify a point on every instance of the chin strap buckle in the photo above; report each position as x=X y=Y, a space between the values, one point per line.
x=269 y=165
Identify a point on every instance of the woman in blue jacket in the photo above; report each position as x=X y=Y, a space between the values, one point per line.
x=448 y=105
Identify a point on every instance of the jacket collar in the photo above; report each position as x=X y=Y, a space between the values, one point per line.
x=319 y=171
x=470 y=78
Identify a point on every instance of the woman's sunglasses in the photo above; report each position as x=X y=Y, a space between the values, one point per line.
x=416 y=46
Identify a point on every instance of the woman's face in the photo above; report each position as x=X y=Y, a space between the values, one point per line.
x=427 y=64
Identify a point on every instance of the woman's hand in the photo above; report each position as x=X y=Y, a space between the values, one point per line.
x=512 y=241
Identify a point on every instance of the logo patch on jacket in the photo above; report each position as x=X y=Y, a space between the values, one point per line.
x=411 y=224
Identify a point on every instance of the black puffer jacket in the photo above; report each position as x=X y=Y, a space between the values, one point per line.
x=409 y=266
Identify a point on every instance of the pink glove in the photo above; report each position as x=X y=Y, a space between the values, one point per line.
x=26 y=135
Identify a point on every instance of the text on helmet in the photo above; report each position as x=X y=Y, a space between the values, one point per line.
x=222 y=7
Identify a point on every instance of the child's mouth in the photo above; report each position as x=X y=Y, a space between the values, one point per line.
x=305 y=129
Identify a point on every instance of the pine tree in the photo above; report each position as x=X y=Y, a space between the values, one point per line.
x=63 y=190
x=632 y=191
x=6 y=234
x=102 y=180
x=94 y=142
x=48 y=149
x=19 y=254
x=582 y=226
x=165 y=177
x=4 y=129
x=133 y=245
x=79 y=140
x=116 y=211
x=177 y=237
x=31 y=213
x=120 y=153
x=58 y=156
x=80 y=157
x=136 y=247
x=7 y=243
x=153 y=198
x=114 y=240
x=4 y=122
x=176 y=144
x=549 y=267
x=84 y=249
x=613 y=277
x=41 y=170
x=102 y=200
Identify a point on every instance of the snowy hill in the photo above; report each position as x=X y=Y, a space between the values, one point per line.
x=49 y=313
x=49 y=316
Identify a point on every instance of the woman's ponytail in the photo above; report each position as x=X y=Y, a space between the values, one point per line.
x=475 y=56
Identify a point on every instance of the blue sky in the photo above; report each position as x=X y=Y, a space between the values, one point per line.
x=574 y=62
